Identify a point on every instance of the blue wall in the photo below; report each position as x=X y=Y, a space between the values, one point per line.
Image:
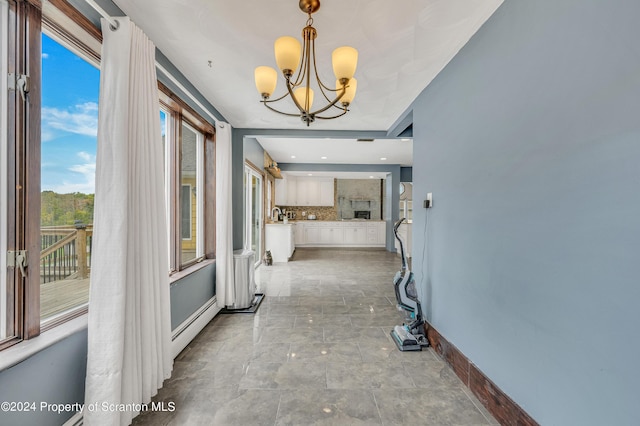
x=254 y=152
x=55 y=375
x=530 y=142
x=190 y=293
x=406 y=174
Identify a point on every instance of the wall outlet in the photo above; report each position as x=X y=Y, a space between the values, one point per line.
x=428 y=203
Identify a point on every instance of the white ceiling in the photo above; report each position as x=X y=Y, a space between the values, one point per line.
x=339 y=151
x=402 y=46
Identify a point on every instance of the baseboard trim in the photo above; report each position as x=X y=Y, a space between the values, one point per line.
x=189 y=329
x=498 y=403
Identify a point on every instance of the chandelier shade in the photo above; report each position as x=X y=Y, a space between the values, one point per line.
x=345 y=61
x=266 y=80
x=297 y=62
x=350 y=93
x=287 y=50
x=300 y=95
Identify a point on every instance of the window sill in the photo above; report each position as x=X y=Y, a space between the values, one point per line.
x=27 y=348
x=190 y=270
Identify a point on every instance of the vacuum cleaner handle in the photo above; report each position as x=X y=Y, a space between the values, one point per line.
x=397 y=225
x=403 y=255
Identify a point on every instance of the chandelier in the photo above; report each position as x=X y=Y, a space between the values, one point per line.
x=288 y=51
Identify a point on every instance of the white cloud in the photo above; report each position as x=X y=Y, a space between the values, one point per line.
x=80 y=119
x=84 y=176
x=45 y=55
x=85 y=156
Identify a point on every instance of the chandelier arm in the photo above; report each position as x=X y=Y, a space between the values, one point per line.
x=280 y=112
x=344 y=89
x=322 y=89
x=303 y=68
x=276 y=100
x=309 y=42
x=301 y=73
x=332 y=117
x=315 y=69
x=293 y=98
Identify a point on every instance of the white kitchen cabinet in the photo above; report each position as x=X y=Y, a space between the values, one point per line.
x=377 y=233
x=281 y=192
x=304 y=191
x=326 y=190
x=279 y=239
x=286 y=191
x=331 y=235
x=292 y=191
x=311 y=234
x=299 y=231
x=355 y=234
x=308 y=192
x=341 y=234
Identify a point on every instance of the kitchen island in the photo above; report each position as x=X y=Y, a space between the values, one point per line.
x=280 y=240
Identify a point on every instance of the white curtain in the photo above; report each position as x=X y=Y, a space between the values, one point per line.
x=129 y=352
x=225 y=289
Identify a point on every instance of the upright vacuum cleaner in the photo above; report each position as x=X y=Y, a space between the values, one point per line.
x=409 y=336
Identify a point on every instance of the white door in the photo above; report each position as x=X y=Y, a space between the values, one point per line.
x=253 y=212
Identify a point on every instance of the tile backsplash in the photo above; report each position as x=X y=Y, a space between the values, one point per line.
x=321 y=212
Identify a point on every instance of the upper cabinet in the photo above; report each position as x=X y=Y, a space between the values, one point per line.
x=308 y=192
x=286 y=191
x=304 y=191
x=327 y=196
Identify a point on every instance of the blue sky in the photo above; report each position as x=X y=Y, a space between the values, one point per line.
x=70 y=91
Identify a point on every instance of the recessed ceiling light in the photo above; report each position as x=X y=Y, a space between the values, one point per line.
x=310 y=174
x=370 y=177
x=383 y=158
x=293 y=156
x=323 y=158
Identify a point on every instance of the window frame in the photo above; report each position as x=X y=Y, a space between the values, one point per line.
x=22 y=167
x=6 y=299
x=179 y=114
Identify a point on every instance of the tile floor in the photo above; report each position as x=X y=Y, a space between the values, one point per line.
x=317 y=351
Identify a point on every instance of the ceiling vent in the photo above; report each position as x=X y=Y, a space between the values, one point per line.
x=365 y=140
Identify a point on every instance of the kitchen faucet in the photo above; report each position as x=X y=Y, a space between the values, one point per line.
x=277 y=218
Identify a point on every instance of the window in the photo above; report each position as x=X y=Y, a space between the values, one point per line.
x=47 y=172
x=189 y=183
x=191 y=177
x=69 y=126
x=19 y=165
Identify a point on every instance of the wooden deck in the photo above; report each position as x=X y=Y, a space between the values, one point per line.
x=59 y=296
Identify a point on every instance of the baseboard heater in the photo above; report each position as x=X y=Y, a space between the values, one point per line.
x=189 y=329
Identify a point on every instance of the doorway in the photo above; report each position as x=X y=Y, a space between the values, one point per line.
x=253 y=211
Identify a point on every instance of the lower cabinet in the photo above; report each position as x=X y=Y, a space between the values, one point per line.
x=355 y=235
x=340 y=233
